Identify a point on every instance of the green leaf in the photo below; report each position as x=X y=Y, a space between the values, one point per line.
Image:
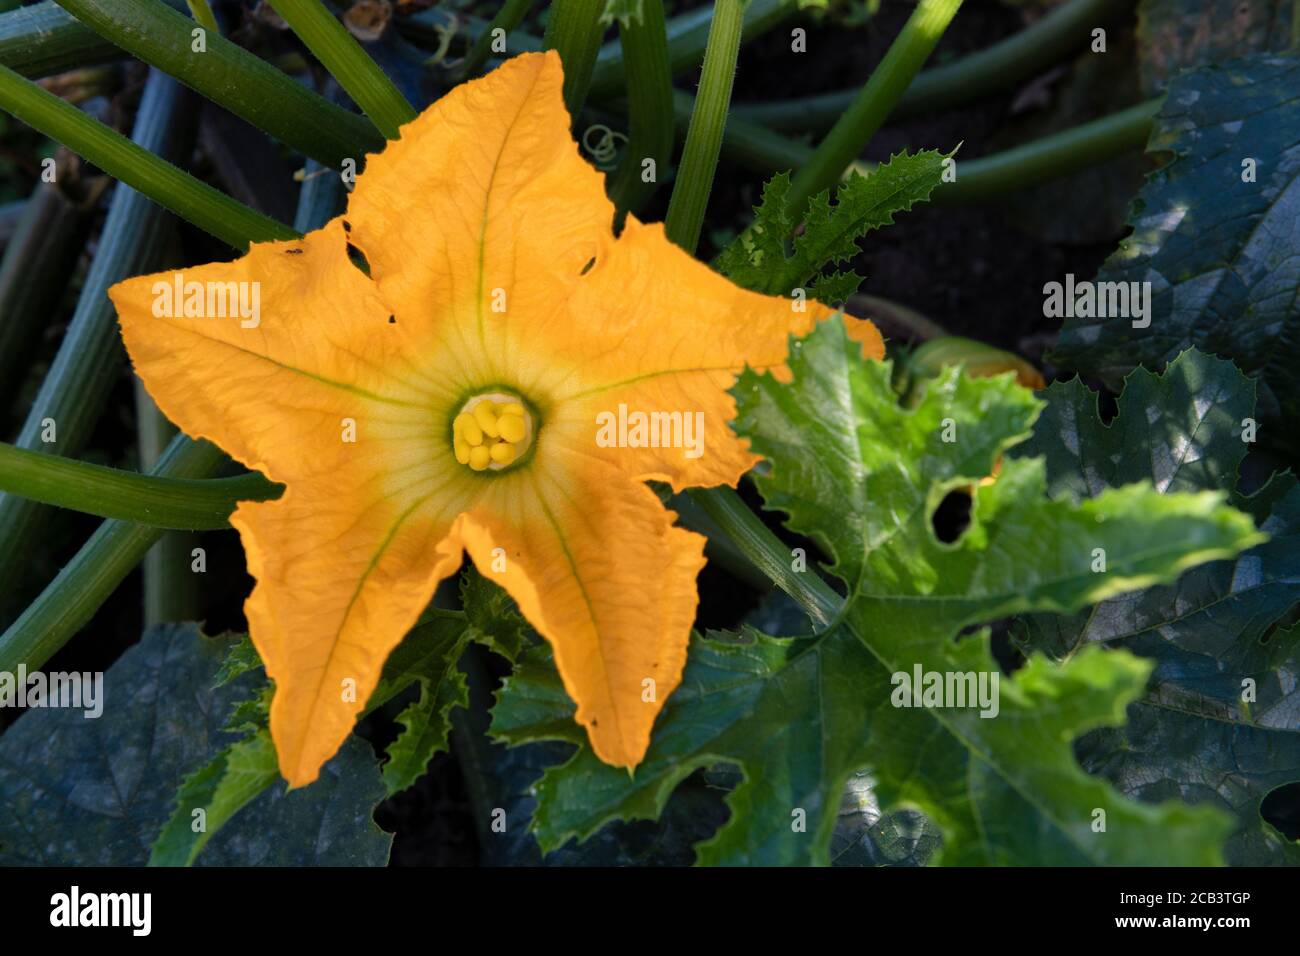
x=77 y=791
x=1220 y=253
x=240 y=659
x=862 y=476
x=1191 y=735
x=429 y=656
x=758 y=258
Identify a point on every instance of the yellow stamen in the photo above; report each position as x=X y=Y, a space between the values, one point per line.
x=468 y=428
x=486 y=416
x=492 y=431
x=511 y=428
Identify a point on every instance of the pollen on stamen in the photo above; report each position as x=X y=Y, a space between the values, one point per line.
x=491 y=432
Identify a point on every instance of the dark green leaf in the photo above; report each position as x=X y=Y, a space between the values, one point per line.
x=1191 y=735
x=1220 y=254
x=801 y=716
x=76 y=791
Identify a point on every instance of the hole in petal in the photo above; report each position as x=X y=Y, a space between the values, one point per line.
x=358 y=259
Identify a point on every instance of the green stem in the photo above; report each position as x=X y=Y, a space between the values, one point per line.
x=509 y=17
x=232 y=77
x=688 y=35
x=1051 y=157
x=72 y=598
x=768 y=553
x=1019 y=57
x=34 y=277
x=726 y=508
x=575 y=31
x=170 y=587
x=708 y=121
x=90 y=357
x=203 y=15
x=190 y=198
x=348 y=63
x=42 y=40
x=126 y=495
x=650 y=109
x=873 y=104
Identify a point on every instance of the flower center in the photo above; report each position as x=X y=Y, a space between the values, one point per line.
x=492 y=431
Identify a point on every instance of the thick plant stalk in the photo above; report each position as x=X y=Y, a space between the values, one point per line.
x=164 y=503
x=1017 y=58
x=509 y=17
x=989 y=177
x=768 y=553
x=42 y=40
x=688 y=35
x=190 y=198
x=33 y=277
x=650 y=109
x=874 y=103
x=574 y=31
x=1051 y=157
x=89 y=358
x=71 y=600
x=708 y=120
x=232 y=77
x=348 y=63
x=171 y=591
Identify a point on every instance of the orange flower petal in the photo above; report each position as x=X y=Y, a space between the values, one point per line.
x=483 y=210
x=492 y=265
x=338 y=587
x=318 y=394
x=649 y=329
x=596 y=565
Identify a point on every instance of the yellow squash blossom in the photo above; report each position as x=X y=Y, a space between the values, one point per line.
x=482 y=389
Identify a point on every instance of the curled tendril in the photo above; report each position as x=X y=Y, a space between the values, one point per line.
x=446 y=33
x=605 y=149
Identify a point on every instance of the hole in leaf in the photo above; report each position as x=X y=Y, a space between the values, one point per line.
x=951 y=519
x=1107 y=406
x=1281 y=809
